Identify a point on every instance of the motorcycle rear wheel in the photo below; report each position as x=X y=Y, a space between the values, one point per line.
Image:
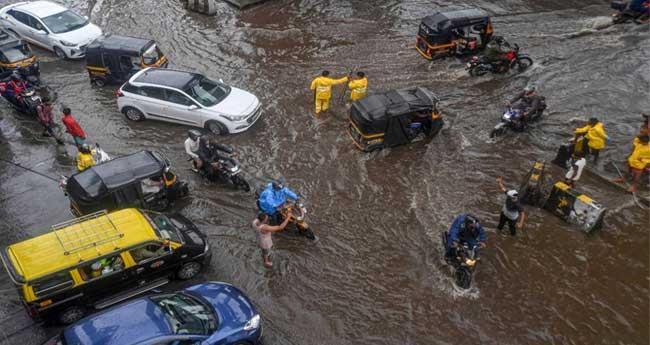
x=497 y=132
x=239 y=182
x=478 y=71
x=463 y=277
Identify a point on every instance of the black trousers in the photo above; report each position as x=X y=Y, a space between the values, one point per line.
x=512 y=224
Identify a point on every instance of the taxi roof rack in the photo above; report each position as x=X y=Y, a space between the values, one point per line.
x=78 y=234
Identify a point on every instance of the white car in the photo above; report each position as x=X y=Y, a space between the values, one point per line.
x=189 y=99
x=50 y=26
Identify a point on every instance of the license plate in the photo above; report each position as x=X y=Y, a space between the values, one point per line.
x=469 y=65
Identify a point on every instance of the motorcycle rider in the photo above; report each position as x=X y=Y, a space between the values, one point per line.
x=14 y=88
x=465 y=229
x=209 y=155
x=527 y=102
x=640 y=6
x=496 y=51
x=272 y=199
x=192 y=144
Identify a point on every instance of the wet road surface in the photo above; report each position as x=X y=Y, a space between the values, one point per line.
x=375 y=276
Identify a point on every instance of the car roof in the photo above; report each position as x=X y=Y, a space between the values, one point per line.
x=40 y=9
x=129 y=323
x=79 y=240
x=164 y=77
x=120 y=43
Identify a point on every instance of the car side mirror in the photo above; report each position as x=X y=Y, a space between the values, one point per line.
x=86 y=17
x=192 y=107
x=221 y=80
x=41 y=32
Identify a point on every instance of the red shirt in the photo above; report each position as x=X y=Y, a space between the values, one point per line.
x=72 y=126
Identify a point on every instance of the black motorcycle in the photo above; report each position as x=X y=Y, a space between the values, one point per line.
x=481 y=65
x=31 y=97
x=626 y=14
x=512 y=120
x=228 y=170
x=464 y=262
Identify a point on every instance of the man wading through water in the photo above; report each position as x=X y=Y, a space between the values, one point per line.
x=512 y=211
x=264 y=231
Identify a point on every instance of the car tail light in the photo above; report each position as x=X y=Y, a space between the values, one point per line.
x=119 y=93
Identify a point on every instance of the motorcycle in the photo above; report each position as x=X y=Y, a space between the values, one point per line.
x=229 y=170
x=464 y=262
x=29 y=98
x=296 y=210
x=626 y=14
x=480 y=65
x=511 y=119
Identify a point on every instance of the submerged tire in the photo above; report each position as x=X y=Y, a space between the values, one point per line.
x=239 y=182
x=189 y=270
x=497 y=132
x=133 y=114
x=216 y=128
x=478 y=70
x=523 y=63
x=463 y=277
x=71 y=314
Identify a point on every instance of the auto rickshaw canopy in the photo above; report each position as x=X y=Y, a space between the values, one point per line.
x=377 y=112
x=99 y=180
x=14 y=52
x=116 y=45
x=437 y=28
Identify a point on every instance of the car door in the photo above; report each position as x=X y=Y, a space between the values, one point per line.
x=181 y=108
x=19 y=23
x=38 y=32
x=153 y=102
x=102 y=284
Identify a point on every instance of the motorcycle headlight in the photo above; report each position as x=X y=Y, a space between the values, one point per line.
x=67 y=44
x=253 y=323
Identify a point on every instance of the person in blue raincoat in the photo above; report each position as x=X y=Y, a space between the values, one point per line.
x=272 y=200
x=639 y=6
x=465 y=230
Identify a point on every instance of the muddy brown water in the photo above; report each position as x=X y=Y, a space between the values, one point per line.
x=375 y=276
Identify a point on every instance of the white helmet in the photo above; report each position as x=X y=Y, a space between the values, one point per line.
x=512 y=193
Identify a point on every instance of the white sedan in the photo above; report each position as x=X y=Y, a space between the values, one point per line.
x=188 y=98
x=50 y=26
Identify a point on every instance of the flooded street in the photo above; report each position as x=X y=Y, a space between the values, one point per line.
x=376 y=274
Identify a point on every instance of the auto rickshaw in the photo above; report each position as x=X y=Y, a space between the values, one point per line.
x=461 y=32
x=15 y=55
x=114 y=59
x=394 y=118
x=143 y=180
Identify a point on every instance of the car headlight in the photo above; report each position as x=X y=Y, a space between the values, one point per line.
x=253 y=323
x=67 y=44
x=234 y=118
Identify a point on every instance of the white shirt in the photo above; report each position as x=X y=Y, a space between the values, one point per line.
x=191 y=147
x=580 y=164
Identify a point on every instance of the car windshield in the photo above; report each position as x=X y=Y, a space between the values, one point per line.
x=14 y=53
x=206 y=91
x=64 y=21
x=151 y=55
x=187 y=315
x=164 y=227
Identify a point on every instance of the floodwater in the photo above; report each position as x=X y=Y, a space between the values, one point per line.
x=375 y=276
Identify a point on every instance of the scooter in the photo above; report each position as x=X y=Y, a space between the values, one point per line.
x=464 y=262
x=297 y=212
x=626 y=14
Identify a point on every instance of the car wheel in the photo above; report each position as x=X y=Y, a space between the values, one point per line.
x=71 y=314
x=133 y=114
x=59 y=53
x=99 y=82
x=216 y=128
x=188 y=270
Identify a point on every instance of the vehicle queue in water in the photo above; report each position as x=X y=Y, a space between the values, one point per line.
x=122 y=246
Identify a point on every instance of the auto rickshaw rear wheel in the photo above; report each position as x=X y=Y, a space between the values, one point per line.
x=188 y=270
x=71 y=314
x=99 y=82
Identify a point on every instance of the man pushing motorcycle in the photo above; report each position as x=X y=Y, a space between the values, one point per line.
x=465 y=230
x=528 y=103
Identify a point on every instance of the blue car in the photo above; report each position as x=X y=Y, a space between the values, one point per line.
x=203 y=314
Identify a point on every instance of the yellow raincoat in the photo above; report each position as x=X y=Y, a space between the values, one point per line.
x=640 y=157
x=358 y=88
x=84 y=161
x=595 y=134
x=322 y=86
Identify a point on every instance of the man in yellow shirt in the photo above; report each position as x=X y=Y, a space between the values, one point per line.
x=638 y=161
x=322 y=88
x=358 y=87
x=596 y=137
x=85 y=158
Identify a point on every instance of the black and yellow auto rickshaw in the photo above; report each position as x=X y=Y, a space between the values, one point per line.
x=114 y=59
x=451 y=33
x=15 y=55
x=394 y=118
x=143 y=180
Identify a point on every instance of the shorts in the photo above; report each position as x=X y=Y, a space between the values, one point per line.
x=78 y=140
x=266 y=251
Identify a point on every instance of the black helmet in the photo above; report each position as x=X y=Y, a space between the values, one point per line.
x=470 y=221
x=277 y=185
x=499 y=39
x=194 y=134
x=530 y=88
